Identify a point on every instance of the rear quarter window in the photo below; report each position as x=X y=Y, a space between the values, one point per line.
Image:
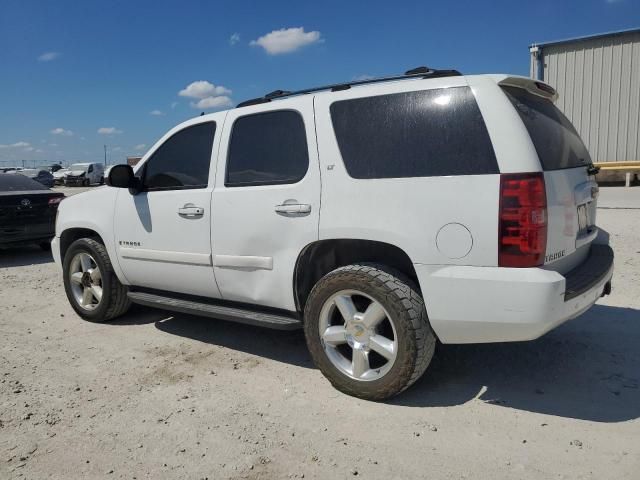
x=413 y=134
x=557 y=142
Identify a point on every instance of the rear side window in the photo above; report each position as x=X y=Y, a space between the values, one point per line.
x=183 y=160
x=556 y=141
x=414 y=134
x=267 y=149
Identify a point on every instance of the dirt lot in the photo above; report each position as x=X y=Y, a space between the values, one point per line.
x=155 y=395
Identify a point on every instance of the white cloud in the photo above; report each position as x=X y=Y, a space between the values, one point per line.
x=61 y=131
x=211 y=103
x=48 y=56
x=109 y=131
x=286 y=40
x=157 y=113
x=29 y=149
x=209 y=95
x=174 y=105
x=140 y=146
x=203 y=89
x=233 y=39
x=16 y=145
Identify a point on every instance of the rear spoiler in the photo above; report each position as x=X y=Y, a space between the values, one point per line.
x=536 y=87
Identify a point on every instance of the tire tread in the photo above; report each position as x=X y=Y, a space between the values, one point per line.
x=401 y=291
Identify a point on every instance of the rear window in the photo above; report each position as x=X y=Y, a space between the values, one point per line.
x=556 y=141
x=413 y=134
x=14 y=182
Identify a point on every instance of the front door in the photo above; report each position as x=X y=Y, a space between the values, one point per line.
x=266 y=201
x=163 y=234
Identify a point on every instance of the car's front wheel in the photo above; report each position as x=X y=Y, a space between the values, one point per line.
x=367 y=331
x=91 y=285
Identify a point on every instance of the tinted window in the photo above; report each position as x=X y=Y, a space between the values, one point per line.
x=267 y=149
x=556 y=141
x=413 y=134
x=14 y=182
x=183 y=160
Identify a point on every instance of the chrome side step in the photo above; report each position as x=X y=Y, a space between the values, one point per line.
x=222 y=312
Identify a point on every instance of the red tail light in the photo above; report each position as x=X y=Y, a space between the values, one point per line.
x=55 y=200
x=522 y=221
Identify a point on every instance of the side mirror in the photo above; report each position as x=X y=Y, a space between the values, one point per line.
x=121 y=176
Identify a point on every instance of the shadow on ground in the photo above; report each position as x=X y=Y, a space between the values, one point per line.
x=281 y=346
x=586 y=369
x=23 y=255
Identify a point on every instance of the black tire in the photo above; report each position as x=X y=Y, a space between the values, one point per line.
x=86 y=182
x=115 y=301
x=416 y=340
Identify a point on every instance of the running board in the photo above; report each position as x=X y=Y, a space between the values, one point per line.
x=233 y=314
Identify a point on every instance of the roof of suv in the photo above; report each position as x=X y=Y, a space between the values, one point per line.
x=414 y=73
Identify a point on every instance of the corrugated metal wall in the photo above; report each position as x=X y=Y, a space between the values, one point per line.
x=598 y=81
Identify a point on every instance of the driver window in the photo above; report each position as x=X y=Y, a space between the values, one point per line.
x=182 y=161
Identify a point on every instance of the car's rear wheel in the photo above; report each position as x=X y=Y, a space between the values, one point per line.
x=367 y=331
x=91 y=285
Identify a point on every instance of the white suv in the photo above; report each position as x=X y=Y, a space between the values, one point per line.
x=378 y=215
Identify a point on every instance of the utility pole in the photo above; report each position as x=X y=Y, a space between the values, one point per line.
x=105 y=155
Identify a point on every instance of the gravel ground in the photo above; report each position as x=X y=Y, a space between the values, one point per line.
x=157 y=395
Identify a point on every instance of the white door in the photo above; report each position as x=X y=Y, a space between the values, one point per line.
x=266 y=201
x=163 y=234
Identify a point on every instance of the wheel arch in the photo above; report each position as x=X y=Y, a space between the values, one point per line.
x=321 y=257
x=70 y=235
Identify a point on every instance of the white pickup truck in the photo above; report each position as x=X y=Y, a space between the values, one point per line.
x=379 y=215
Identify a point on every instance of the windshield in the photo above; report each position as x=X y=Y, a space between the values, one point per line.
x=556 y=140
x=78 y=166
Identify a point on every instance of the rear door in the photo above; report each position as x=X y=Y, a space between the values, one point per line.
x=571 y=190
x=266 y=202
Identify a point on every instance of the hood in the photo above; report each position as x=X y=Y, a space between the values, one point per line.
x=76 y=173
x=60 y=173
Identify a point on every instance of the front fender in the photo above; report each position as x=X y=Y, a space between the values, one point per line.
x=92 y=210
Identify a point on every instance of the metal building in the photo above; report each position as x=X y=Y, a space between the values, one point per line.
x=598 y=80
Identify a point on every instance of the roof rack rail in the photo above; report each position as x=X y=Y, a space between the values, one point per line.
x=418 y=72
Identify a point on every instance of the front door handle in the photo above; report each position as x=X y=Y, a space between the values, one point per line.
x=191 y=211
x=293 y=208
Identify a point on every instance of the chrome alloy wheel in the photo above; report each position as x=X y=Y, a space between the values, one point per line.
x=86 y=281
x=358 y=335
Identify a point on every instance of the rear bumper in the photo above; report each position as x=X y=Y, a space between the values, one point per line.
x=26 y=233
x=492 y=304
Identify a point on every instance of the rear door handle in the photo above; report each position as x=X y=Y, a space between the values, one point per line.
x=191 y=211
x=293 y=208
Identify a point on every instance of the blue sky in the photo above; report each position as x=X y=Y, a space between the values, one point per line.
x=75 y=75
